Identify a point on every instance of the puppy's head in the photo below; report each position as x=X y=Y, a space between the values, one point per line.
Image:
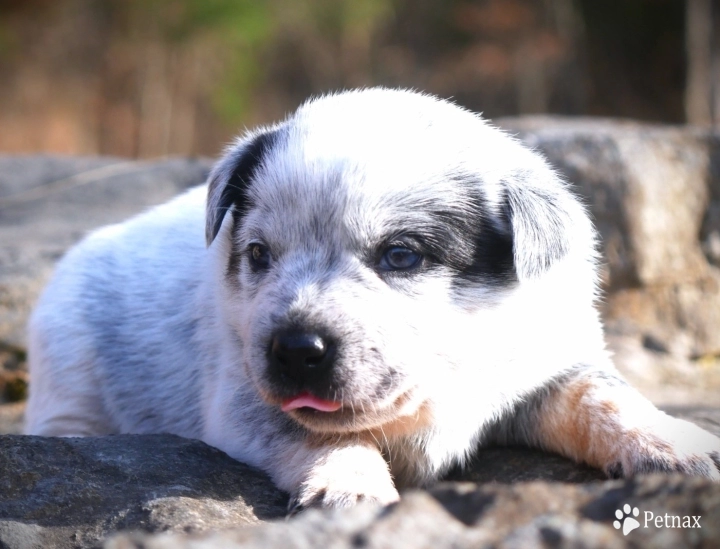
x=370 y=236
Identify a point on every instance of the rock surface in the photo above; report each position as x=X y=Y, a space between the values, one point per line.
x=647 y=187
x=48 y=203
x=464 y=515
x=653 y=192
x=74 y=492
x=70 y=492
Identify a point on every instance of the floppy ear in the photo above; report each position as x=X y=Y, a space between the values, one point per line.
x=545 y=219
x=232 y=175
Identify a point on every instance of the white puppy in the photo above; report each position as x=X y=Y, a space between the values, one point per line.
x=373 y=288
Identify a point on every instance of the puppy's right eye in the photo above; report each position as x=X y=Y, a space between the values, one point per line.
x=259 y=256
x=400 y=258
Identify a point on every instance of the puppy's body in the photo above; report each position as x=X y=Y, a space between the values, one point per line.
x=387 y=280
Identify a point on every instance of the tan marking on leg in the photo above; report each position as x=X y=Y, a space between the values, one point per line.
x=576 y=423
x=604 y=425
x=405 y=425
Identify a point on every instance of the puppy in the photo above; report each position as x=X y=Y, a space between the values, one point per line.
x=362 y=295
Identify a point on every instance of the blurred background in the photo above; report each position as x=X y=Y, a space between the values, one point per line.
x=145 y=78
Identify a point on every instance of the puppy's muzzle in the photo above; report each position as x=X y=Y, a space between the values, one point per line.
x=305 y=358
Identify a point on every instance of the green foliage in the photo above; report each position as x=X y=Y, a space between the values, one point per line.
x=6 y=40
x=333 y=18
x=15 y=390
x=240 y=29
x=9 y=43
x=246 y=28
x=243 y=22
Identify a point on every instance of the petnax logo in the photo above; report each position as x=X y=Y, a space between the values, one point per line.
x=627 y=520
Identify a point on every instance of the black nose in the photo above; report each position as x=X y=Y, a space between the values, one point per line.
x=301 y=355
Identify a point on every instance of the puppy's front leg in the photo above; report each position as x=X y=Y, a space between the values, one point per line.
x=325 y=472
x=595 y=417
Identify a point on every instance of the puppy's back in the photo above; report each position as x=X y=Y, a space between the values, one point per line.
x=98 y=336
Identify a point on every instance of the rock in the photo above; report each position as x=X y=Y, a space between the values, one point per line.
x=12 y=418
x=710 y=232
x=510 y=465
x=72 y=492
x=48 y=203
x=646 y=186
x=464 y=515
x=654 y=194
x=704 y=416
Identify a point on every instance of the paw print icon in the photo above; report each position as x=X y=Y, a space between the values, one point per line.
x=625 y=520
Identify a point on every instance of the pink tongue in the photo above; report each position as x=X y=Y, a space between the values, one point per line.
x=306 y=400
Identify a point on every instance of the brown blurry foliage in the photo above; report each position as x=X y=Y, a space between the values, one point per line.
x=142 y=78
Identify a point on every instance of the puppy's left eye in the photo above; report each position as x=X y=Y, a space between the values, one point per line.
x=399 y=258
x=259 y=256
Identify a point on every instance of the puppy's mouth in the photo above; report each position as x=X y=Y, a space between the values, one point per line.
x=310 y=401
x=332 y=416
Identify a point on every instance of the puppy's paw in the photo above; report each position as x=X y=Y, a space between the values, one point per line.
x=670 y=445
x=342 y=492
x=343 y=478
